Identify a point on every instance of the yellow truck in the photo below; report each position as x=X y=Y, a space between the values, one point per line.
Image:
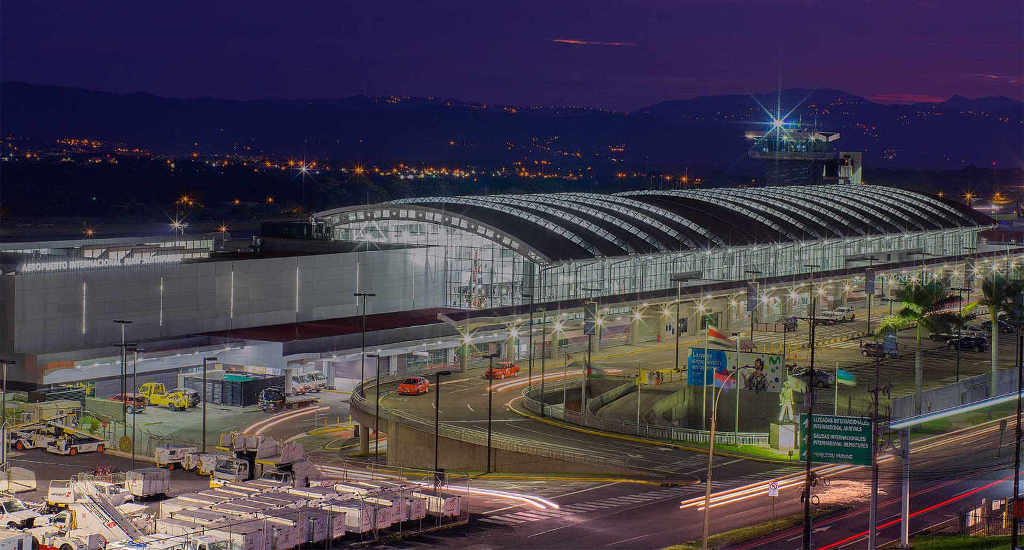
x=158 y=396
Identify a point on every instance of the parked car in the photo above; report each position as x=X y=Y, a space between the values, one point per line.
x=502 y=370
x=875 y=349
x=1004 y=327
x=846 y=313
x=414 y=385
x=136 y=403
x=822 y=378
x=968 y=342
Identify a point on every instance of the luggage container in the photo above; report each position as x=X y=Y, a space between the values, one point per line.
x=313 y=493
x=440 y=504
x=247 y=535
x=148 y=482
x=242 y=509
x=316 y=522
x=357 y=516
x=199 y=517
x=170 y=506
x=177 y=527
x=287 y=529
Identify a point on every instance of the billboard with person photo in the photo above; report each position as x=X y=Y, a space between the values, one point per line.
x=761 y=372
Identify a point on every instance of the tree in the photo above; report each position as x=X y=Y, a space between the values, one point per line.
x=922 y=307
x=999 y=294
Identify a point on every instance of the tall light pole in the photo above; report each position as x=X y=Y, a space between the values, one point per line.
x=543 y=356
x=135 y=371
x=362 y=345
x=590 y=347
x=711 y=457
x=376 y=414
x=490 y=399
x=1015 y=530
x=205 y=393
x=437 y=418
x=124 y=370
x=529 y=375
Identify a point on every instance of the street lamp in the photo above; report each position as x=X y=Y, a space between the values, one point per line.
x=679 y=279
x=437 y=422
x=529 y=376
x=490 y=399
x=135 y=411
x=590 y=347
x=124 y=368
x=711 y=454
x=362 y=345
x=206 y=360
x=755 y=273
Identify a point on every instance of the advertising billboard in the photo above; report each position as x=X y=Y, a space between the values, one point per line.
x=763 y=372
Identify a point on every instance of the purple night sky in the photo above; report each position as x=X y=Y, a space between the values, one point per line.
x=619 y=55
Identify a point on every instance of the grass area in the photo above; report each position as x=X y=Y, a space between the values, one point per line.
x=944 y=425
x=734 y=536
x=956 y=542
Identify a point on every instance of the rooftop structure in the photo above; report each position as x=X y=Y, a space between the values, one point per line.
x=496 y=249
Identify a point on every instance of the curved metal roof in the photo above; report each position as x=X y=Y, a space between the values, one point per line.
x=567 y=226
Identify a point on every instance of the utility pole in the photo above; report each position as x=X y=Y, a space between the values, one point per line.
x=959 y=327
x=3 y=407
x=124 y=371
x=437 y=420
x=206 y=360
x=1015 y=528
x=589 y=305
x=810 y=418
x=873 y=511
x=490 y=399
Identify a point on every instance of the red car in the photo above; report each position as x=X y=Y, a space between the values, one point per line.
x=414 y=385
x=135 y=402
x=502 y=369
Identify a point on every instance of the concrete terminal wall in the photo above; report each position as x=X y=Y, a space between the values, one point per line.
x=54 y=312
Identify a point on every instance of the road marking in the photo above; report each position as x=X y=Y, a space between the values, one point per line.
x=469 y=407
x=627 y=540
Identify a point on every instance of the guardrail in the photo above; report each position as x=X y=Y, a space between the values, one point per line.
x=670 y=433
x=478 y=436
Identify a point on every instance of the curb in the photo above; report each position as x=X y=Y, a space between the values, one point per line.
x=634 y=439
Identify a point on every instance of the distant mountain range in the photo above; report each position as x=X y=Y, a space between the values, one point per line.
x=702 y=131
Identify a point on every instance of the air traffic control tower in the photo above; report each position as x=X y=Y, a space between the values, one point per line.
x=792 y=155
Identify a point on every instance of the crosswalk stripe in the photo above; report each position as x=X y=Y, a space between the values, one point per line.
x=510 y=519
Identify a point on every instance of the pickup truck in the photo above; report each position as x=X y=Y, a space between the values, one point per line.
x=158 y=396
x=502 y=370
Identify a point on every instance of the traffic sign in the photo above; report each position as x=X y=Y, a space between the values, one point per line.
x=589 y=317
x=773 y=488
x=838 y=439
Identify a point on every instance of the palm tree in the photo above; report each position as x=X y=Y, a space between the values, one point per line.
x=999 y=294
x=922 y=305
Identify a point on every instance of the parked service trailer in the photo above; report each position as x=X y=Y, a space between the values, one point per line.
x=317 y=524
x=314 y=494
x=244 y=487
x=358 y=515
x=440 y=504
x=207 y=497
x=172 y=456
x=279 y=500
x=170 y=506
x=287 y=528
x=201 y=517
x=386 y=512
x=148 y=482
x=177 y=527
x=248 y=535
x=241 y=509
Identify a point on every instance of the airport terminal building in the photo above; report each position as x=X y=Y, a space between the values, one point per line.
x=269 y=303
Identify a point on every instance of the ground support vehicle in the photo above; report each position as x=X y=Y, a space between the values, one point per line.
x=14 y=513
x=258 y=456
x=148 y=482
x=274 y=399
x=193 y=396
x=74 y=442
x=32 y=436
x=51 y=538
x=136 y=403
x=158 y=542
x=201 y=463
x=173 y=456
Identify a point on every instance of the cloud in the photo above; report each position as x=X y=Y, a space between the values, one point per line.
x=994 y=77
x=574 y=42
x=904 y=97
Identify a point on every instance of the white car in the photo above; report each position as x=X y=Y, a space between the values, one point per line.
x=845 y=312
